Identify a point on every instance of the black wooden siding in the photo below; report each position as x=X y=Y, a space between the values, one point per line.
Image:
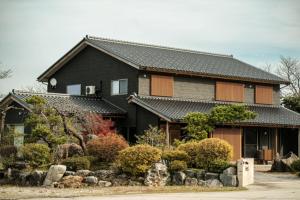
x=91 y=66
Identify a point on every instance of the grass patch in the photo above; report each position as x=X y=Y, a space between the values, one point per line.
x=13 y=192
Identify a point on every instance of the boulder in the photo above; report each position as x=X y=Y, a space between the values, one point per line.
x=202 y=183
x=210 y=175
x=229 y=180
x=191 y=181
x=55 y=173
x=104 y=183
x=230 y=171
x=214 y=183
x=69 y=173
x=283 y=164
x=72 y=181
x=134 y=183
x=157 y=175
x=91 y=180
x=36 y=178
x=105 y=175
x=178 y=178
x=83 y=172
x=190 y=173
x=200 y=174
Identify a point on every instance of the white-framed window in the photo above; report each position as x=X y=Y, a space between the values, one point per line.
x=74 y=89
x=119 y=87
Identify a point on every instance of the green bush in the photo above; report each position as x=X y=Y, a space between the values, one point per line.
x=191 y=148
x=177 y=165
x=106 y=148
x=36 y=154
x=153 y=136
x=171 y=155
x=212 y=152
x=136 y=160
x=218 y=166
x=77 y=163
x=296 y=165
x=8 y=151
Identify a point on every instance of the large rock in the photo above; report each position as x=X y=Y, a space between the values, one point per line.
x=191 y=181
x=72 y=181
x=36 y=178
x=105 y=175
x=69 y=173
x=200 y=174
x=283 y=164
x=91 y=180
x=157 y=175
x=229 y=180
x=104 y=183
x=178 y=178
x=83 y=172
x=230 y=171
x=214 y=183
x=134 y=183
x=121 y=180
x=55 y=173
x=210 y=175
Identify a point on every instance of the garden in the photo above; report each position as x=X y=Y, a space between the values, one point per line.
x=77 y=150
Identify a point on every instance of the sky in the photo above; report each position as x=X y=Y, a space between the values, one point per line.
x=34 y=33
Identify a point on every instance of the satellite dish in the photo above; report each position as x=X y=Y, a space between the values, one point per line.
x=53 y=82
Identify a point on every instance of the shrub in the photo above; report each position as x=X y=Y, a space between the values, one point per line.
x=136 y=160
x=36 y=154
x=8 y=151
x=77 y=163
x=177 y=165
x=211 y=151
x=218 y=166
x=153 y=136
x=106 y=148
x=191 y=148
x=171 y=155
x=296 y=165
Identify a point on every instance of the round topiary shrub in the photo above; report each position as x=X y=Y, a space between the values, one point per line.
x=191 y=148
x=106 y=148
x=77 y=163
x=296 y=165
x=171 y=155
x=36 y=154
x=136 y=160
x=177 y=165
x=213 y=151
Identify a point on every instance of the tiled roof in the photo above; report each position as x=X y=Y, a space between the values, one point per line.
x=174 y=109
x=68 y=103
x=151 y=57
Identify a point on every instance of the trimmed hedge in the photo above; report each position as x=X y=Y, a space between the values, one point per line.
x=77 y=163
x=171 y=155
x=177 y=165
x=191 y=148
x=36 y=154
x=136 y=160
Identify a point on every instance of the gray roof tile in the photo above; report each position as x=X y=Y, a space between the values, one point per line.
x=175 y=109
x=166 y=58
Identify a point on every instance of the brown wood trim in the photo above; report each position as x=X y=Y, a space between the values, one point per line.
x=162 y=85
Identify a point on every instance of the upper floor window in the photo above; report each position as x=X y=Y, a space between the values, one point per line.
x=74 y=89
x=162 y=85
x=228 y=91
x=119 y=87
x=263 y=94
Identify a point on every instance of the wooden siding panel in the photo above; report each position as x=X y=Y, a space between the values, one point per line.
x=233 y=136
x=263 y=94
x=162 y=85
x=227 y=91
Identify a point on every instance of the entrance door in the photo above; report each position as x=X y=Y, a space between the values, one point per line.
x=250 y=142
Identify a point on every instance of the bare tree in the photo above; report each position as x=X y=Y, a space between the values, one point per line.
x=37 y=87
x=289 y=68
x=5 y=73
x=267 y=67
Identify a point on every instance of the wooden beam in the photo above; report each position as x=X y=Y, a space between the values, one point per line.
x=167 y=134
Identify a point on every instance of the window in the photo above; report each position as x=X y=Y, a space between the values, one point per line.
x=119 y=87
x=74 y=89
x=162 y=85
x=263 y=94
x=228 y=91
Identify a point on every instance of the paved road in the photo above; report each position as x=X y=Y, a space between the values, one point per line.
x=267 y=186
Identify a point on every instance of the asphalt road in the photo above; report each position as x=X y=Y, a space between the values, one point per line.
x=267 y=186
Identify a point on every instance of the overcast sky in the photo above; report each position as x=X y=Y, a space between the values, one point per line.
x=35 y=33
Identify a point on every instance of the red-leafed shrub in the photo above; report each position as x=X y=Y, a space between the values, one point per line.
x=106 y=147
x=95 y=124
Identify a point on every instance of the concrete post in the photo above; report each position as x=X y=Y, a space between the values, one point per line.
x=245 y=171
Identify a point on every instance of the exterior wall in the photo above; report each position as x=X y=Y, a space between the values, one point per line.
x=91 y=66
x=276 y=95
x=249 y=95
x=194 y=88
x=145 y=118
x=144 y=85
